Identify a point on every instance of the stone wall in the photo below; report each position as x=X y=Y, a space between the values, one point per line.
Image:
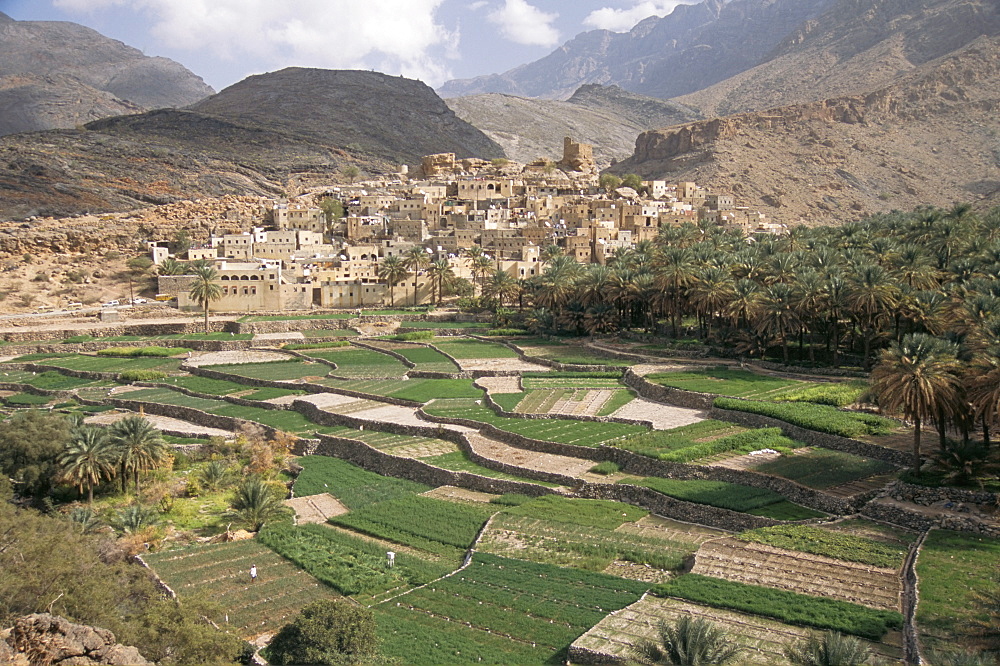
x=667 y=394
x=676 y=509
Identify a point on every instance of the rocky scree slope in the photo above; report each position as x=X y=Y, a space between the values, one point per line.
x=261 y=137
x=56 y=74
x=606 y=117
x=933 y=138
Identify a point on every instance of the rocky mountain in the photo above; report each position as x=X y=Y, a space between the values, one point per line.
x=57 y=74
x=390 y=117
x=856 y=46
x=264 y=136
x=607 y=117
x=930 y=138
x=687 y=50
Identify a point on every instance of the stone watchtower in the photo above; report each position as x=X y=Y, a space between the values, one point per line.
x=577 y=156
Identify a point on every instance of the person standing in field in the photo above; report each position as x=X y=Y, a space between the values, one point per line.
x=253 y=573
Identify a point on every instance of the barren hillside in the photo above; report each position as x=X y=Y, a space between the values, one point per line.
x=931 y=139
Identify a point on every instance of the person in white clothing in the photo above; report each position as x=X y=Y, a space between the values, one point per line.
x=390 y=558
x=253 y=573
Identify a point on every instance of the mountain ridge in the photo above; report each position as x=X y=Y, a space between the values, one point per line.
x=57 y=74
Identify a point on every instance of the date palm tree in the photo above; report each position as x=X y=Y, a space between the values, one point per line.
x=138 y=447
x=255 y=504
x=711 y=292
x=438 y=272
x=777 y=317
x=88 y=459
x=918 y=378
x=831 y=649
x=392 y=271
x=205 y=289
x=688 y=642
x=415 y=260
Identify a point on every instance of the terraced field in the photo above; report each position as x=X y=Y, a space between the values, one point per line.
x=220 y=573
x=537 y=609
x=764 y=640
x=563 y=431
x=758 y=564
x=358 y=362
x=467 y=348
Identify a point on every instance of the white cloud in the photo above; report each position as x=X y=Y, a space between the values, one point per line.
x=623 y=20
x=522 y=23
x=394 y=36
x=477 y=5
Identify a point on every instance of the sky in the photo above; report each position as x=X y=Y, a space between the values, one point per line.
x=224 y=41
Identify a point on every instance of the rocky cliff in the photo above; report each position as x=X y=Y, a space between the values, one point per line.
x=933 y=138
x=606 y=117
x=57 y=74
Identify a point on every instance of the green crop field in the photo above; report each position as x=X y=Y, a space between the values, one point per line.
x=50 y=380
x=735 y=497
x=953 y=569
x=530 y=604
x=838 y=394
x=822 y=418
x=275 y=370
x=836 y=545
x=427 y=359
x=570 y=380
x=462 y=348
x=111 y=364
x=282 y=419
x=657 y=443
x=220 y=572
x=432 y=525
x=360 y=362
x=783 y=605
x=446 y=324
x=356 y=488
x=564 y=431
x=566 y=353
x=330 y=333
x=822 y=468
x=351 y=565
x=416 y=389
x=725 y=381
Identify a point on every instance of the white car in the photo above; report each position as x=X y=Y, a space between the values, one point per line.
x=112 y=304
x=139 y=301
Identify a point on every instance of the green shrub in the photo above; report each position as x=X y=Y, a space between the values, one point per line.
x=607 y=467
x=141 y=375
x=783 y=605
x=505 y=331
x=821 y=418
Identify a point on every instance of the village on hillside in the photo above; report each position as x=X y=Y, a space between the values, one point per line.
x=465 y=218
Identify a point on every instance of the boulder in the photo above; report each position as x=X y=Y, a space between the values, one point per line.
x=49 y=639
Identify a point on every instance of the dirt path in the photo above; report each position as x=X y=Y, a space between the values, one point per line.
x=663 y=417
x=161 y=423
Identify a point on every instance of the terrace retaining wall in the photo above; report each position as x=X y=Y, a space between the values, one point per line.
x=920 y=522
x=667 y=394
x=640 y=465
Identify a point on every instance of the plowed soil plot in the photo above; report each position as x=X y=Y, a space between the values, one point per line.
x=765 y=640
x=758 y=564
x=220 y=572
